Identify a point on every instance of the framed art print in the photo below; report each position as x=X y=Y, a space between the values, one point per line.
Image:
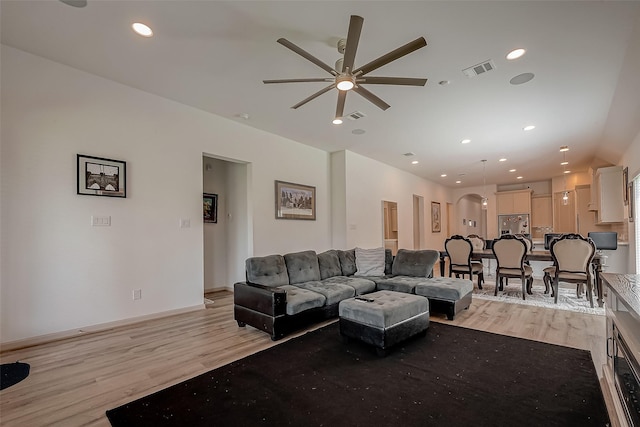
x=210 y=208
x=295 y=201
x=98 y=176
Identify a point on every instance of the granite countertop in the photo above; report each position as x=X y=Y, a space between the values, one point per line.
x=627 y=288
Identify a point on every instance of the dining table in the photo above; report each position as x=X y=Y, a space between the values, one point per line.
x=536 y=255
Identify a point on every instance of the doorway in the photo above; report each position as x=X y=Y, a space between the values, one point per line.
x=227 y=239
x=390 y=225
x=418 y=222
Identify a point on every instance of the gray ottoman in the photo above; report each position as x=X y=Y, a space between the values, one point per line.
x=446 y=294
x=383 y=318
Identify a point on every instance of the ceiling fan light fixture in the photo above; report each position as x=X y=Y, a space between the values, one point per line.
x=345 y=82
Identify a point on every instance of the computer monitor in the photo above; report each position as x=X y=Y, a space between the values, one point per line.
x=604 y=240
x=548 y=237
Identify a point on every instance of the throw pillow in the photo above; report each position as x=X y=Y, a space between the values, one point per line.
x=369 y=262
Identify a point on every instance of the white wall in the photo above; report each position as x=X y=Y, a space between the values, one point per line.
x=369 y=182
x=60 y=274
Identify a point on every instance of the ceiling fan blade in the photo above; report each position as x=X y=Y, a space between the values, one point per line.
x=342 y=96
x=392 y=56
x=286 y=43
x=407 y=81
x=371 y=97
x=315 y=95
x=298 y=80
x=353 y=37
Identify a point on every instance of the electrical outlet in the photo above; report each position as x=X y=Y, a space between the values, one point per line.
x=137 y=294
x=185 y=223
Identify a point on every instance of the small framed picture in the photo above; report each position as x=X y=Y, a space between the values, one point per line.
x=625 y=185
x=210 y=208
x=295 y=201
x=98 y=176
x=435 y=217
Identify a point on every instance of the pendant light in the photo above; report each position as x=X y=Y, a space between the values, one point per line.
x=565 y=194
x=485 y=202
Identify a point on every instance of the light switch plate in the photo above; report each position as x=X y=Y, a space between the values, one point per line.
x=100 y=221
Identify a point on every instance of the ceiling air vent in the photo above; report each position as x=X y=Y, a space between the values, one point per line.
x=355 y=115
x=481 y=68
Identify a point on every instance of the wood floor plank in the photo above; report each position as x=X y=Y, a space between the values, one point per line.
x=74 y=381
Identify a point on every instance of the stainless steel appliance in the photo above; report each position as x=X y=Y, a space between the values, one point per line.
x=626 y=378
x=514 y=224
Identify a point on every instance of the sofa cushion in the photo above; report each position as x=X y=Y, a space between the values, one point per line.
x=414 y=263
x=334 y=292
x=444 y=288
x=347 y=262
x=404 y=284
x=360 y=284
x=269 y=270
x=302 y=267
x=370 y=262
x=299 y=299
x=386 y=309
x=329 y=264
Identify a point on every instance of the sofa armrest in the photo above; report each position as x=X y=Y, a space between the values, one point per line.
x=264 y=299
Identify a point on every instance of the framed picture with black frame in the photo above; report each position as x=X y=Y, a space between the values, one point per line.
x=98 y=176
x=210 y=208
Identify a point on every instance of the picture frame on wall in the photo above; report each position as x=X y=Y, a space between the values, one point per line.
x=295 y=201
x=98 y=176
x=436 y=225
x=210 y=208
x=625 y=184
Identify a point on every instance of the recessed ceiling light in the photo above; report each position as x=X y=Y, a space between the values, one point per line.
x=358 y=131
x=502 y=160
x=512 y=170
x=444 y=175
x=244 y=116
x=458 y=182
x=337 y=121
x=564 y=163
x=515 y=54
x=142 y=29
x=415 y=162
x=465 y=141
x=518 y=177
x=567 y=171
x=444 y=82
x=529 y=127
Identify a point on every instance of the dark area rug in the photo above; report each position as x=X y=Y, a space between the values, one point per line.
x=13 y=373
x=454 y=376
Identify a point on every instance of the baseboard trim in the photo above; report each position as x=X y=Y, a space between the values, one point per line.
x=57 y=336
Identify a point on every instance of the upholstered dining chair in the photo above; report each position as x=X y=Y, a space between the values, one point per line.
x=510 y=252
x=572 y=255
x=459 y=249
x=479 y=245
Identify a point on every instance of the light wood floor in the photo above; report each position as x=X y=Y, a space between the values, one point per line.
x=74 y=381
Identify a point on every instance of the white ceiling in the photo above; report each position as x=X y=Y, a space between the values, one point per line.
x=213 y=55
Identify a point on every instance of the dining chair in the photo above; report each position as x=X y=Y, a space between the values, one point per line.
x=572 y=256
x=460 y=249
x=479 y=245
x=510 y=252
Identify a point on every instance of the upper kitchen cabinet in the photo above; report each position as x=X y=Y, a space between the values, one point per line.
x=513 y=202
x=609 y=196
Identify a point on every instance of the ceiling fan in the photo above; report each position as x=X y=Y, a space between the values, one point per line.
x=345 y=77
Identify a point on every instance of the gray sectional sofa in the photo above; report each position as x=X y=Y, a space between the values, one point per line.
x=284 y=293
